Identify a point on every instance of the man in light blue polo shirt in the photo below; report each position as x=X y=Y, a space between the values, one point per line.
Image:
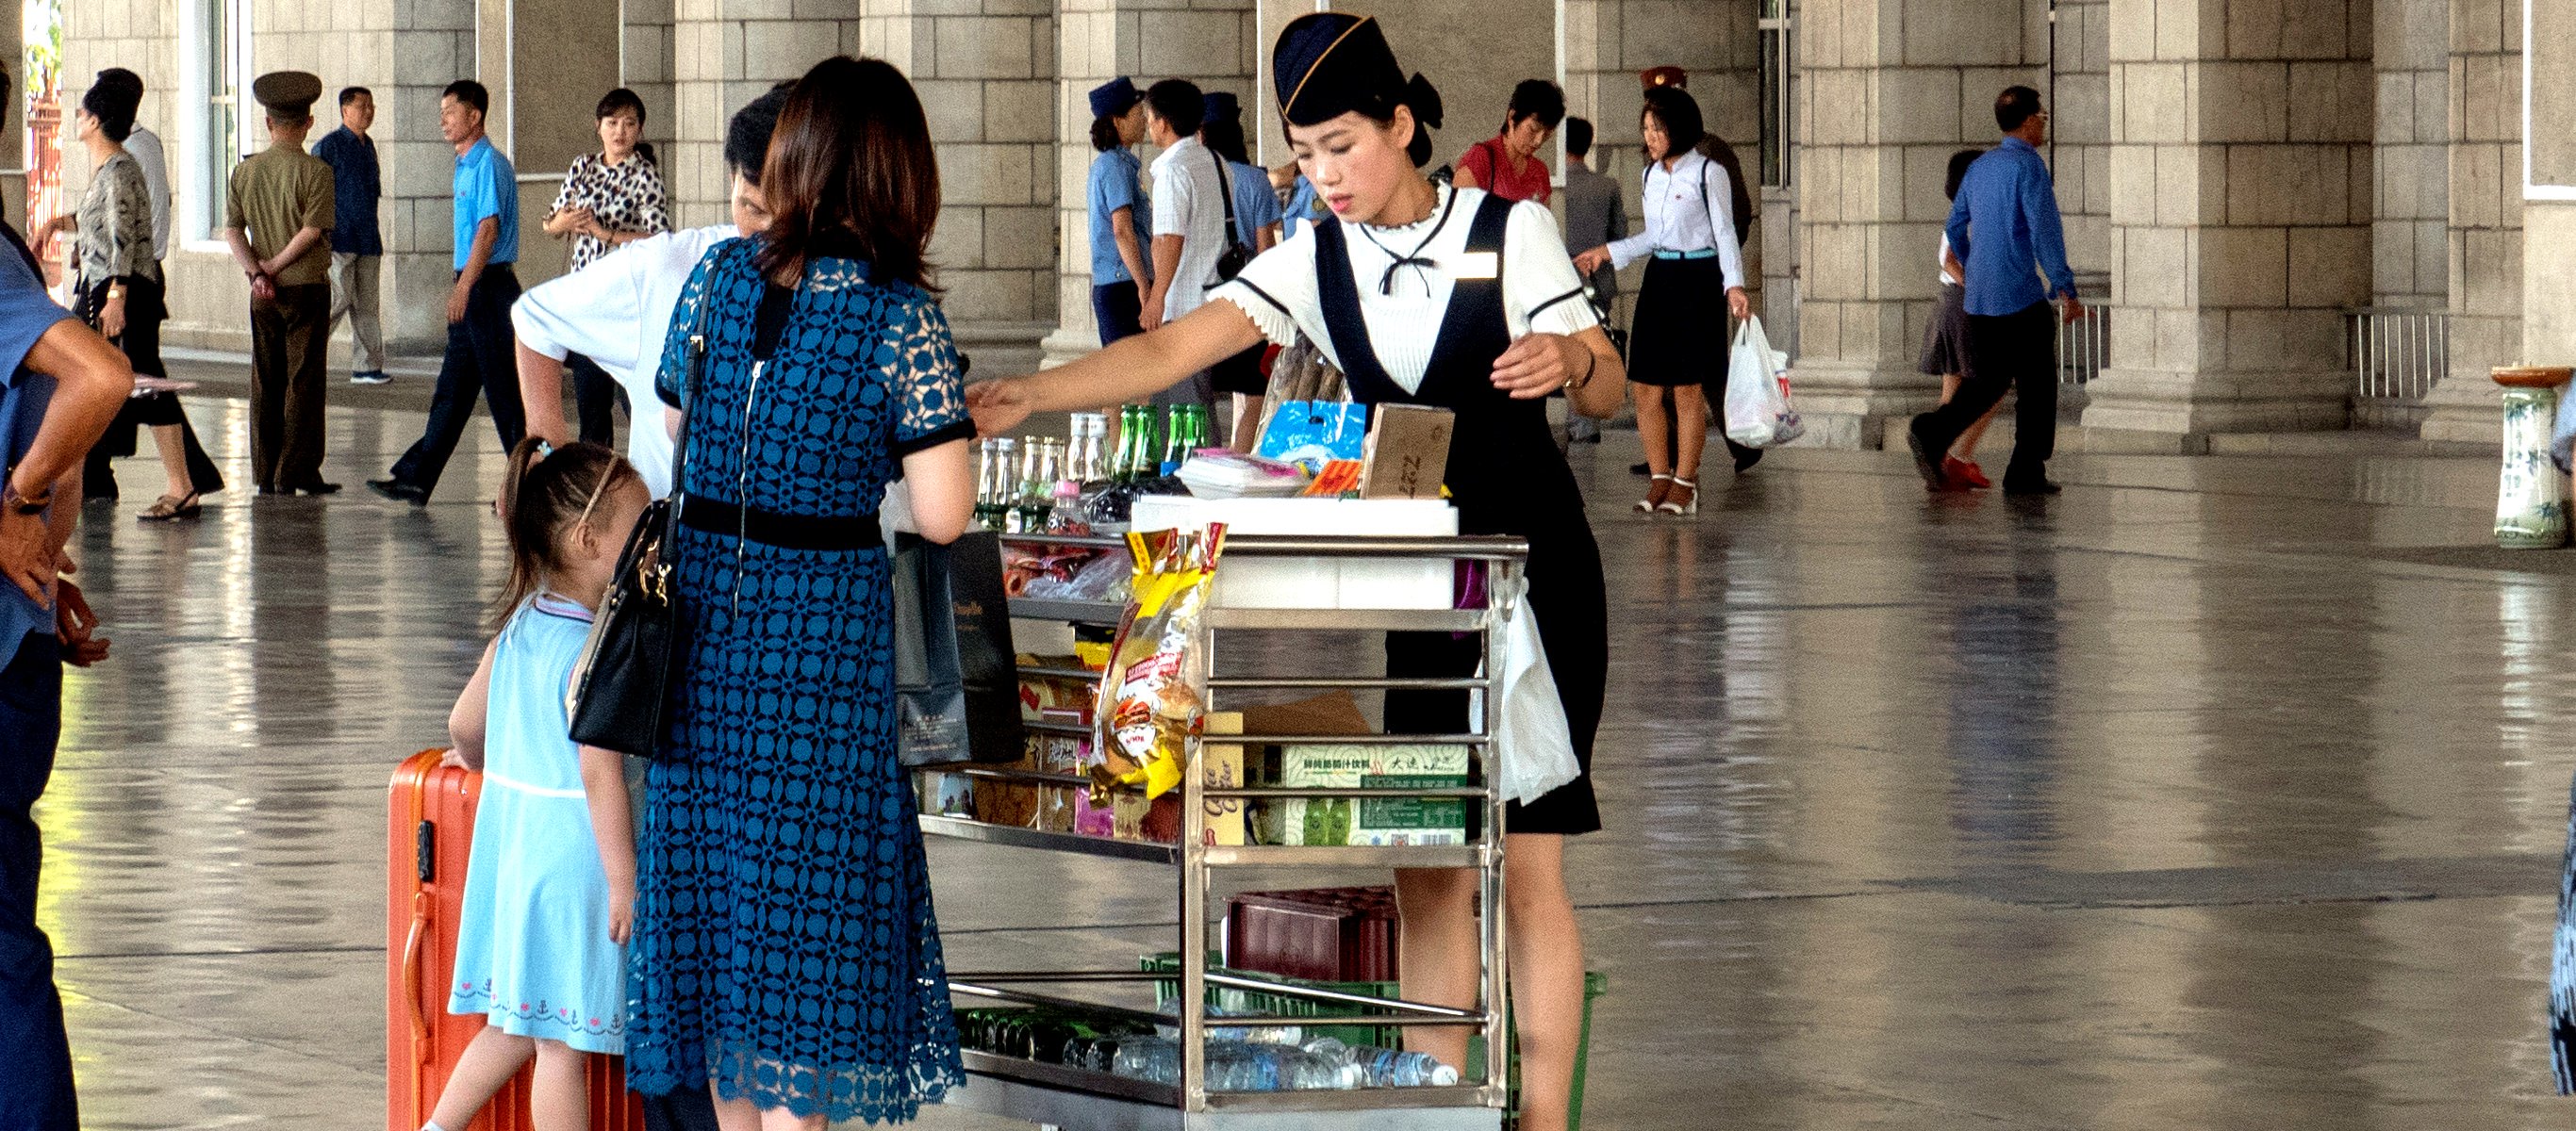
x=60 y=385
x=481 y=352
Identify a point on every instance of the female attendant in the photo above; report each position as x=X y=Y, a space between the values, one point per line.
x=1677 y=338
x=609 y=198
x=118 y=292
x=1119 y=271
x=1945 y=340
x=1458 y=299
x=550 y=889
x=786 y=950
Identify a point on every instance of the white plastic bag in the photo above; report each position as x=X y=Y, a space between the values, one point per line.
x=1531 y=739
x=1758 y=413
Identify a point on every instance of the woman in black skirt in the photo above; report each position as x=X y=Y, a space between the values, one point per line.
x=1457 y=299
x=1678 y=339
x=1945 y=341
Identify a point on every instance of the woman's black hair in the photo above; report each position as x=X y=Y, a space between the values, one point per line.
x=1225 y=137
x=113 y=104
x=1105 y=135
x=1420 y=97
x=545 y=492
x=1540 y=99
x=852 y=166
x=1678 y=113
x=1959 y=163
x=622 y=99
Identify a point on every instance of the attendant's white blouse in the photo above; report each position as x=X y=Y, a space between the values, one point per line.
x=1689 y=207
x=1541 y=292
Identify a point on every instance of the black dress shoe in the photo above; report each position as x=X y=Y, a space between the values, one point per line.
x=1745 y=460
x=2031 y=487
x=318 y=487
x=1925 y=463
x=399 y=491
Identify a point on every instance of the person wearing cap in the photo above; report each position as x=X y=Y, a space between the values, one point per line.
x=1189 y=220
x=117 y=291
x=480 y=349
x=1507 y=164
x=617 y=311
x=357 y=247
x=278 y=217
x=1256 y=213
x=1116 y=196
x=1457 y=299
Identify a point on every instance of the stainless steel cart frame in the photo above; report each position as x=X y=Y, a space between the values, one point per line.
x=1081 y=1100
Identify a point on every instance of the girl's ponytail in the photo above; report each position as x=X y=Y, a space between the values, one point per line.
x=546 y=490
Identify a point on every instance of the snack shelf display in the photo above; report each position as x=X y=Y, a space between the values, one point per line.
x=1075 y=1098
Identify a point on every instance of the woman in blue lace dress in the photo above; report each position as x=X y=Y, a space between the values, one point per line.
x=785 y=947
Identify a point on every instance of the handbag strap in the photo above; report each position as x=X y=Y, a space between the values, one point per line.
x=691 y=371
x=1225 y=191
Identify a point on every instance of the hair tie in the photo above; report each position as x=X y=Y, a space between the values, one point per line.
x=544 y=449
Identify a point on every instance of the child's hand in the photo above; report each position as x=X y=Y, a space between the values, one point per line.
x=621 y=913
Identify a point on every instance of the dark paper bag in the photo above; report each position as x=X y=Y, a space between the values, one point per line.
x=956 y=676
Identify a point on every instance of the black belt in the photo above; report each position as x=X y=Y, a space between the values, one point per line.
x=786 y=531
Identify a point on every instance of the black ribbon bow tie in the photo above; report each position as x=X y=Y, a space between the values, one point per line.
x=1386 y=283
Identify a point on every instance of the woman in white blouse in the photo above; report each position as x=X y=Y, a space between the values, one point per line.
x=1677 y=341
x=1458 y=299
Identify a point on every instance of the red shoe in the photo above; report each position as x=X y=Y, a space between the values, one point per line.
x=1964 y=472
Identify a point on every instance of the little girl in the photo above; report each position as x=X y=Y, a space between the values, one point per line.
x=550 y=890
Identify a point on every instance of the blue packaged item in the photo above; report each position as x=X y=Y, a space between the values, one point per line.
x=1314 y=433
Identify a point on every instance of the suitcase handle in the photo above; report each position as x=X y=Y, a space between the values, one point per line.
x=420 y=905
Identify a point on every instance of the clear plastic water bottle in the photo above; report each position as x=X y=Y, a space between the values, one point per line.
x=1383 y=1068
x=1234 y=1066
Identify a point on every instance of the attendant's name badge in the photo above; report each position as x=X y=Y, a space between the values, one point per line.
x=1475 y=265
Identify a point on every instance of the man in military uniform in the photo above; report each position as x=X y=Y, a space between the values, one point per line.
x=278 y=217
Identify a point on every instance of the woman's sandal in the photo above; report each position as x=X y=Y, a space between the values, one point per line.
x=1660 y=487
x=1684 y=499
x=172 y=508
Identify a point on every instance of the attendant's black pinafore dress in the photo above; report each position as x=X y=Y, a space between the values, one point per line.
x=1505 y=476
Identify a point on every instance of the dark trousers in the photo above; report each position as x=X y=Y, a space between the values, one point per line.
x=141 y=344
x=482 y=355
x=289 y=348
x=595 y=396
x=1119 y=309
x=2007 y=351
x=35 y=1056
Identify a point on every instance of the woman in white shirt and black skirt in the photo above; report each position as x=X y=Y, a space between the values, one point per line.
x=1690 y=233
x=1456 y=299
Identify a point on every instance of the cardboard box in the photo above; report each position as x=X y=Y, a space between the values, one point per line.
x=1371 y=820
x=1408 y=452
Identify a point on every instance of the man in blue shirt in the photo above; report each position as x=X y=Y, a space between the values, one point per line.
x=481 y=351
x=2008 y=203
x=357 y=249
x=60 y=385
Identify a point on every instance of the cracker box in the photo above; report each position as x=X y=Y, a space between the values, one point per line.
x=1364 y=821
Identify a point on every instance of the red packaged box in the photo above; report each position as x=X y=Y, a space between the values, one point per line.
x=1319 y=934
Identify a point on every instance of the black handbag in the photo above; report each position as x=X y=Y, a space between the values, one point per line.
x=1231 y=261
x=621 y=684
x=957 y=696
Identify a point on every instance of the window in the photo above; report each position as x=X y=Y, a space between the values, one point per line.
x=1775 y=68
x=213 y=137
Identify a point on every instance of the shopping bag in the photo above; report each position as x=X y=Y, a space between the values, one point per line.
x=956 y=682
x=1758 y=413
x=1531 y=738
x=1314 y=433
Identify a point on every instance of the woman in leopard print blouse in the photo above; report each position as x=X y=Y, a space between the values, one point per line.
x=609 y=198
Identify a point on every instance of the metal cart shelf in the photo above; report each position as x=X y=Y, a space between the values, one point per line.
x=1077 y=1099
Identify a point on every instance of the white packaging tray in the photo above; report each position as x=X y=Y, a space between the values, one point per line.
x=1317 y=583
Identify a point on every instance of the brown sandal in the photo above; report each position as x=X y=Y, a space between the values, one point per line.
x=172 y=508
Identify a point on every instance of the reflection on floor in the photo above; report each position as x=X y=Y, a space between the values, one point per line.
x=2213 y=794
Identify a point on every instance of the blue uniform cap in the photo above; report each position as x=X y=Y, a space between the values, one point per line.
x=1115 y=97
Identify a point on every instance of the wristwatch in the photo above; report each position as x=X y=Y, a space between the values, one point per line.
x=21 y=504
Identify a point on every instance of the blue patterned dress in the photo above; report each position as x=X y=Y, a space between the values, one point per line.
x=785 y=946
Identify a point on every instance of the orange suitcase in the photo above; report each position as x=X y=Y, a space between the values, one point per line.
x=432 y=828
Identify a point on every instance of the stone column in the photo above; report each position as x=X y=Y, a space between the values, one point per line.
x=2549 y=217
x=1214 y=44
x=2411 y=155
x=2485 y=238
x=644 y=66
x=1890 y=90
x=2240 y=214
x=724 y=53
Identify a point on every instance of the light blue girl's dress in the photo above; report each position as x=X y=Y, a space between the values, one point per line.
x=532 y=946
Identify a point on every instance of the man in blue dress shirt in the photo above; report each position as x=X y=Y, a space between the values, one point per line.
x=60 y=385
x=357 y=248
x=2016 y=266
x=481 y=352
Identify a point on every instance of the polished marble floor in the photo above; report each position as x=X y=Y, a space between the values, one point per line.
x=2217 y=793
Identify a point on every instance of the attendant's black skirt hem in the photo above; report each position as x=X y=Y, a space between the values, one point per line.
x=1678 y=336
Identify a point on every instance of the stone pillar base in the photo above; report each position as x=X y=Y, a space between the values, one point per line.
x=2464 y=409
x=2152 y=400
x=1847 y=405
x=1067 y=343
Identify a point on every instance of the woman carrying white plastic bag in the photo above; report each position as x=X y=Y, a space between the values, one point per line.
x=1758 y=413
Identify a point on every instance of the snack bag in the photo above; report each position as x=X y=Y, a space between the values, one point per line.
x=1148 y=714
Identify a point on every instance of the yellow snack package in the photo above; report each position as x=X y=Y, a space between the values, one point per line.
x=1148 y=714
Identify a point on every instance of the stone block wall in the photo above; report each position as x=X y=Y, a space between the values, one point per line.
x=2410 y=233
x=644 y=62
x=2485 y=238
